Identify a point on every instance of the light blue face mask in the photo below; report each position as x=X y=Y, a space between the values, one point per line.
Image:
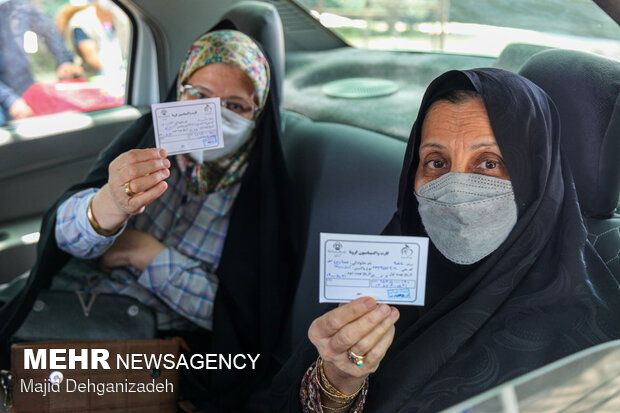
x=467 y=216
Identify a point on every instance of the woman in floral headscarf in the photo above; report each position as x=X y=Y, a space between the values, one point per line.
x=207 y=239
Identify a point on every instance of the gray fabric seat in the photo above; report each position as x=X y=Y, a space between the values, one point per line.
x=262 y=22
x=347 y=179
x=586 y=91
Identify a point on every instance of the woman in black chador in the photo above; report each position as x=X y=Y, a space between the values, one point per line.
x=512 y=281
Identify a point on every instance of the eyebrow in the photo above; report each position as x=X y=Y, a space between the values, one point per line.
x=210 y=92
x=203 y=87
x=432 y=145
x=471 y=148
x=483 y=145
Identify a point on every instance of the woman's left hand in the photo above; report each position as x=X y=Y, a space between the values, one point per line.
x=131 y=248
x=360 y=326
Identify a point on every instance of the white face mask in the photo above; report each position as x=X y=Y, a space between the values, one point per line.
x=236 y=130
x=467 y=216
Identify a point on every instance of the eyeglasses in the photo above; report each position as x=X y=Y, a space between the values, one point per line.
x=237 y=105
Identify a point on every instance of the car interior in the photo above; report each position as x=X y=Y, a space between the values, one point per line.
x=585 y=381
x=346 y=115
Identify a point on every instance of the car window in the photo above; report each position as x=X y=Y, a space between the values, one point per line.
x=58 y=56
x=586 y=381
x=477 y=27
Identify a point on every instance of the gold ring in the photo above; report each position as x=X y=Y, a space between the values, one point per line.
x=355 y=359
x=128 y=190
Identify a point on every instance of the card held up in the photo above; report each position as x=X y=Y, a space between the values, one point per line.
x=188 y=126
x=391 y=269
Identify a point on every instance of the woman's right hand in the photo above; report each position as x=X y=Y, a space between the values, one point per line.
x=145 y=171
x=361 y=326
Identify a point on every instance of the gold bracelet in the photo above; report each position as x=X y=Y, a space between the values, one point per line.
x=335 y=391
x=341 y=401
x=329 y=390
x=93 y=222
x=342 y=408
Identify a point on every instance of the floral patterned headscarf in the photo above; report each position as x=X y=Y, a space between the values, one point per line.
x=231 y=47
x=235 y=48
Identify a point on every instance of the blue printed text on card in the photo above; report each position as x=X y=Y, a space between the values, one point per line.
x=392 y=269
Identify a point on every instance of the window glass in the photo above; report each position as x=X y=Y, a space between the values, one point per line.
x=480 y=27
x=60 y=55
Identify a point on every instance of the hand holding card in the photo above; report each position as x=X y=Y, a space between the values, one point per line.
x=136 y=178
x=359 y=329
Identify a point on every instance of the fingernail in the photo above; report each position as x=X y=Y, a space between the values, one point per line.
x=394 y=314
x=384 y=309
x=369 y=302
x=162 y=153
x=166 y=163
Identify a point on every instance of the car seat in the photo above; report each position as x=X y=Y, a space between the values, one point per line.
x=347 y=179
x=262 y=22
x=586 y=90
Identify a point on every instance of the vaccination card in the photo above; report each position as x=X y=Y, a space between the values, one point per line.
x=188 y=126
x=391 y=269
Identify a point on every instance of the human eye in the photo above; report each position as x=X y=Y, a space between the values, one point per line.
x=238 y=107
x=433 y=165
x=234 y=106
x=489 y=164
x=436 y=164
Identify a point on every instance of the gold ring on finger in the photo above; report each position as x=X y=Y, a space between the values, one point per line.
x=355 y=359
x=128 y=190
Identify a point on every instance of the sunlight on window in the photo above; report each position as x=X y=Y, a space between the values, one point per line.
x=400 y=27
x=52 y=124
x=478 y=27
x=31 y=238
x=5 y=136
x=31 y=42
x=381 y=27
x=334 y=20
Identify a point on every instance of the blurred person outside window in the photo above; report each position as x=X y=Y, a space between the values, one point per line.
x=98 y=33
x=21 y=24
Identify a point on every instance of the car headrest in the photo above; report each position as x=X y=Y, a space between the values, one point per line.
x=586 y=90
x=261 y=21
